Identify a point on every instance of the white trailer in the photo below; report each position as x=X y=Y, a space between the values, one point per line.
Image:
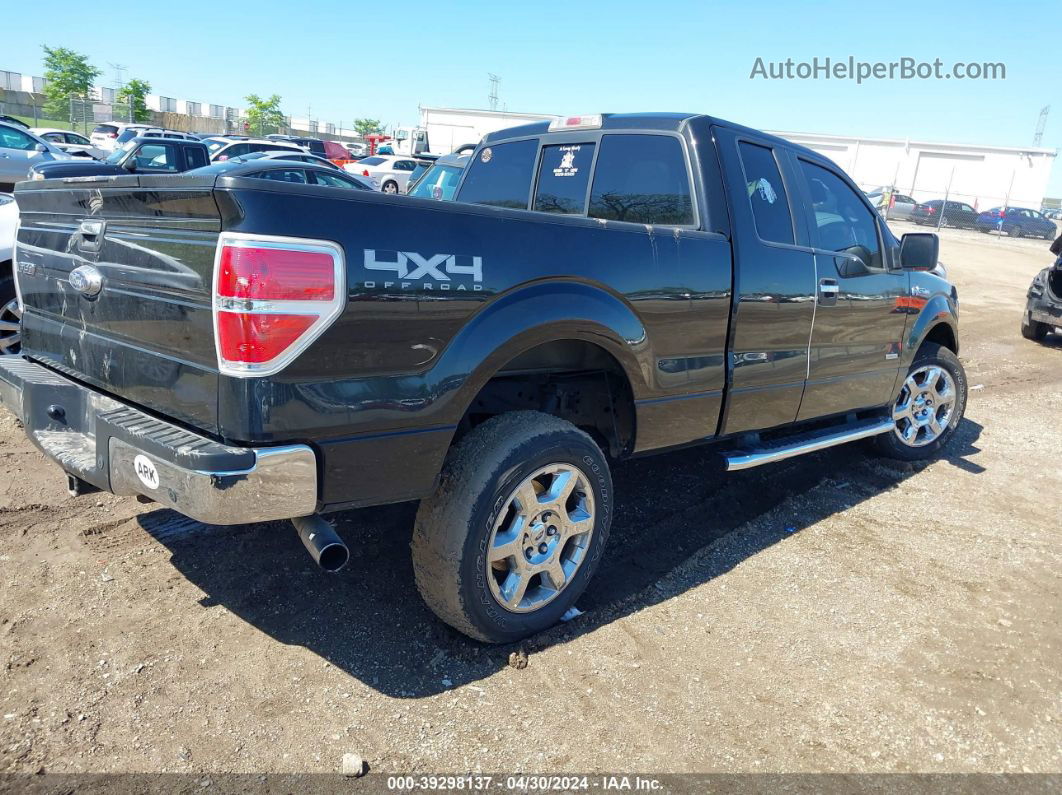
x=448 y=128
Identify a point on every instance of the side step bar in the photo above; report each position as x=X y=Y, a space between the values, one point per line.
x=782 y=449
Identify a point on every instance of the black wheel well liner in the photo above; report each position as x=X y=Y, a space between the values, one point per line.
x=943 y=334
x=573 y=379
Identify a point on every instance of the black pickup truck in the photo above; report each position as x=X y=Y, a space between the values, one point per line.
x=141 y=155
x=605 y=286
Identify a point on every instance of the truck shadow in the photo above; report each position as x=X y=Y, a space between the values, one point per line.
x=369 y=621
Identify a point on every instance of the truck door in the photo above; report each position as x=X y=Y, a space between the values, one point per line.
x=860 y=317
x=774 y=285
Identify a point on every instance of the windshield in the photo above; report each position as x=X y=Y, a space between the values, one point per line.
x=439 y=182
x=120 y=152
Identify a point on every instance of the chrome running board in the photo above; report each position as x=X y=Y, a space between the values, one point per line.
x=782 y=449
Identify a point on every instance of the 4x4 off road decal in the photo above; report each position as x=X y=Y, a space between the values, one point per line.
x=418 y=272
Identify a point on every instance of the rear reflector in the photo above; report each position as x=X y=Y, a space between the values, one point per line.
x=273 y=297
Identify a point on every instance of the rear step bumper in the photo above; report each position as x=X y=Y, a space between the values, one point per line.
x=805 y=443
x=121 y=449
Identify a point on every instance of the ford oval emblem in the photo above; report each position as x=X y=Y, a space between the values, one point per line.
x=86 y=279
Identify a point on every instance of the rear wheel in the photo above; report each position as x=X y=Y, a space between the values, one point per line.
x=1033 y=329
x=10 y=318
x=516 y=528
x=390 y=187
x=929 y=408
x=1016 y=231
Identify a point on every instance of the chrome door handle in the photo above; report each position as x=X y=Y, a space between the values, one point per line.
x=829 y=287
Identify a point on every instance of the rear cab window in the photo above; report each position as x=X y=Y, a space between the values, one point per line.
x=563 y=176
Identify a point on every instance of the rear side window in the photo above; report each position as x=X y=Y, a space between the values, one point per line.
x=563 y=175
x=763 y=184
x=500 y=176
x=641 y=179
x=195 y=156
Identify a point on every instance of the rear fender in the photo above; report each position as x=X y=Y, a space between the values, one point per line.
x=536 y=314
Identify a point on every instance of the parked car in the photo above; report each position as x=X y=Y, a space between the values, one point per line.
x=154 y=132
x=20 y=150
x=357 y=150
x=223 y=148
x=627 y=283
x=10 y=314
x=899 y=208
x=314 y=145
x=957 y=214
x=287 y=154
x=391 y=171
x=1017 y=222
x=1043 y=303
x=105 y=135
x=70 y=142
x=139 y=155
x=440 y=180
x=281 y=170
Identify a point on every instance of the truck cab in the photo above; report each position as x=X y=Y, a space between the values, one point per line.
x=142 y=155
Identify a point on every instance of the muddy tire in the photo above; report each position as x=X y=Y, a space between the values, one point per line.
x=929 y=407
x=516 y=529
x=1033 y=329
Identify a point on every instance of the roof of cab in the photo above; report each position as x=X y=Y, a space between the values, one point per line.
x=669 y=122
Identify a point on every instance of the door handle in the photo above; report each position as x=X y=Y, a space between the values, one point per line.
x=828 y=291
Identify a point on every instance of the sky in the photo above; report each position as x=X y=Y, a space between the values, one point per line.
x=349 y=60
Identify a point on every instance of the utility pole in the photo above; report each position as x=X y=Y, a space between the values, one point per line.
x=119 y=83
x=492 y=97
x=1038 y=137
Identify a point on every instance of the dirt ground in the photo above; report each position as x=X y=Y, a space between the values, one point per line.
x=829 y=613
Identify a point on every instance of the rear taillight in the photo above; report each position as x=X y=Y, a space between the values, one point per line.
x=273 y=296
x=365 y=173
x=112 y=135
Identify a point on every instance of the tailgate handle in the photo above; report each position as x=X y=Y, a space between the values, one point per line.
x=91 y=233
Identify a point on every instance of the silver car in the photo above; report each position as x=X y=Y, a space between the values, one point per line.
x=900 y=209
x=21 y=149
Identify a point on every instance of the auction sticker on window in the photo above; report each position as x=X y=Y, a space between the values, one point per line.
x=146 y=471
x=567 y=167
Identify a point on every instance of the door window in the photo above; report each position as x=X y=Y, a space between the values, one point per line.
x=195 y=157
x=155 y=157
x=766 y=193
x=500 y=176
x=842 y=222
x=642 y=179
x=11 y=138
x=563 y=175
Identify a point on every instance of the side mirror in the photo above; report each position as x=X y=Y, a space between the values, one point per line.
x=919 y=251
x=855 y=264
x=40 y=148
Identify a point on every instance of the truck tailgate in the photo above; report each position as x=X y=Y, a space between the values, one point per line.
x=147 y=335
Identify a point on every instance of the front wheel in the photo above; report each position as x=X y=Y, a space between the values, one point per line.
x=929 y=408
x=1033 y=329
x=516 y=528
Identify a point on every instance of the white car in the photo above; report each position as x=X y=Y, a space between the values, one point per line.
x=70 y=142
x=357 y=149
x=391 y=171
x=222 y=148
x=105 y=136
x=10 y=315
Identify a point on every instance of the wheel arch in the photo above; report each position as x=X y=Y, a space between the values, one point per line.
x=936 y=322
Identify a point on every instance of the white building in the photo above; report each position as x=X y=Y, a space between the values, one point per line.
x=984 y=176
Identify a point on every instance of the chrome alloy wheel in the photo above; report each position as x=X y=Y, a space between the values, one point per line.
x=540 y=538
x=925 y=406
x=10 y=328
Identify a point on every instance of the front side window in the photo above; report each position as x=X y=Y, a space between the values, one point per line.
x=336 y=181
x=763 y=185
x=439 y=183
x=641 y=179
x=500 y=175
x=563 y=175
x=842 y=222
x=155 y=157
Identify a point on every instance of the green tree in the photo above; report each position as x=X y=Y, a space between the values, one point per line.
x=365 y=126
x=133 y=93
x=66 y=74
x=264 y=115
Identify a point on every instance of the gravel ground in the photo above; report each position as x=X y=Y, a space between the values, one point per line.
x=830 y=613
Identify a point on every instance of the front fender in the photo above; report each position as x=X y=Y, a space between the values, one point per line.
x=940 y=308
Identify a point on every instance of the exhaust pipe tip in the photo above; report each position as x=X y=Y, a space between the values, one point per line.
x=321 y=541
